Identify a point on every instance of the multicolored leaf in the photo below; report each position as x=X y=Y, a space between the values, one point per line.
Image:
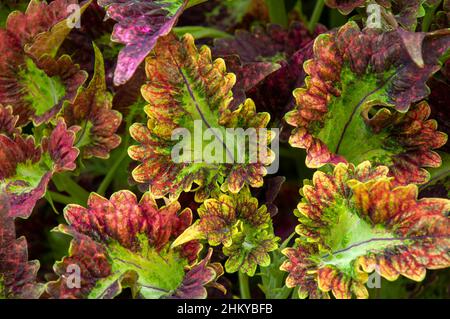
x=248 y=251
x=358 y=78
x=406 y=12
x=92 y=111
x=244 y=229
x=34 y=82
x=190 y=94
x=121 y=242
x=26 y=168
x=36 y=89
x=10 y=6
x=268 y=64
x=354 y=221
x=229 y=15
x=8 y=121
x=43 y=27
x=17 y=274
x=139 y=25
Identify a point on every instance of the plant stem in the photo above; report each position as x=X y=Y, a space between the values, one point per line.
x=244 y=286
x=110 y=176
x=64 y=183
x=426 y=22
x=316 y=15
x=62 y=199
x=277 y=12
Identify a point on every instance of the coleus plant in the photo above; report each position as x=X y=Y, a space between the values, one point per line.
x=105 y=111
x=36 y=82
x=345 y=111
x=354 y=221
x=244 y=229
x=130 y=243
x=18 y=275
x=190 y=91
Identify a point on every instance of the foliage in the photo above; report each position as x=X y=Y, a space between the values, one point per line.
x=123 y=115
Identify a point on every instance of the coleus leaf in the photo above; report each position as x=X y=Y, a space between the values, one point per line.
x=267 y=63
x=36 y=88
x=346 y=6
x=43 y=27
x=26 y=168
x=439 y=183
x=125 y=243
x=186 y=87
x=8 y=122
x=354 y=221
x=227 y=15
x=10 y=6
x=405 y=12
x=439 y=101
x=244 y=229
x=34 y=81
x=17 y=274
x=92 y=111
x=139 y=25
x=352 y=72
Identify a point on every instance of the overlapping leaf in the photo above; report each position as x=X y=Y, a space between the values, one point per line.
x=8 y=121
x=92 y=111
x=139 y=25
x=17 y=274
x=43 y=27
x=268 y=63
x=26 y=168
x=406 y=12
x=10 y=6
x=358 y=78
x=355 y=221
x=187 y=92
x=122 y=243
x=244 y=229
x=34 y=82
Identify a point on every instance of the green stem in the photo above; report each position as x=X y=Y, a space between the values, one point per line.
x=316 y=15
x=110 y=176
x=426 y=22
x=126 y=142
x=277 y=12
x=62 y=199
x=64 y=183
x=244 y=286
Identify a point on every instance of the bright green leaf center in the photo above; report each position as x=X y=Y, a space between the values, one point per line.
x=159 y=273
x=41 y=91
x=345 y=132
x=29 y=174
x=350 y=236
